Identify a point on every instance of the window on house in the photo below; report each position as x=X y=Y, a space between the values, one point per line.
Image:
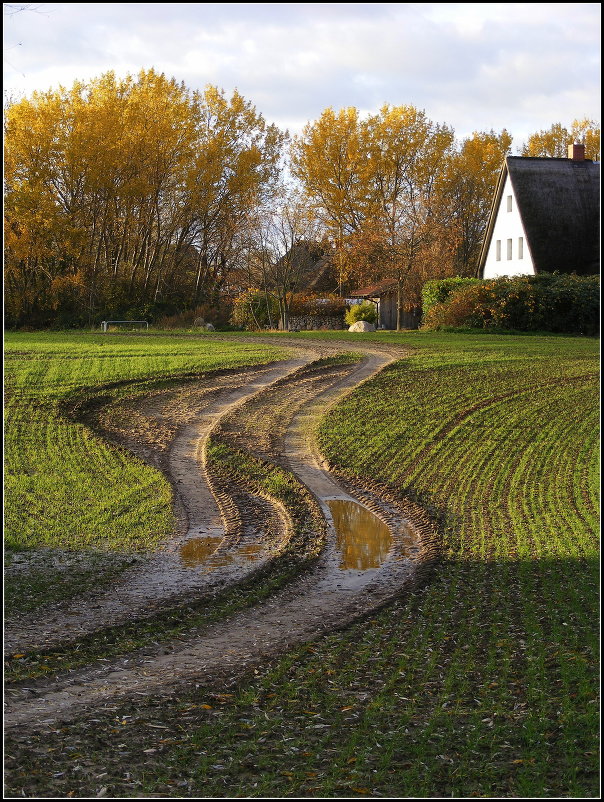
x=520 y=247
x=498 y=250
x=509 y=249
x=509 y=200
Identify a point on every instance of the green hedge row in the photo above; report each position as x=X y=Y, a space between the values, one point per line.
x=437 y=291
x=562 y=303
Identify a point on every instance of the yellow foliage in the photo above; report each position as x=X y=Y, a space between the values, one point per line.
x=117 y=178
x=554 y=141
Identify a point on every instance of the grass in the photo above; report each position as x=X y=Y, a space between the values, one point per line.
x=482 y=683
x=67 y=490
x=27 y=590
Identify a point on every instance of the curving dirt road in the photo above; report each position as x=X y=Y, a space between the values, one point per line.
x=374 y=548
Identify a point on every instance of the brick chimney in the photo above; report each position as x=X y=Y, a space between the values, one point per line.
x=576 y=152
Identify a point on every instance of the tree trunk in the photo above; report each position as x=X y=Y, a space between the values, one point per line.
x=399 y=303
x=268 y=310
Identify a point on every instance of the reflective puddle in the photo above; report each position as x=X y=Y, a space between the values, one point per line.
x=363 y=540
x=197 y=550
x=251 y=552
x=203 y=551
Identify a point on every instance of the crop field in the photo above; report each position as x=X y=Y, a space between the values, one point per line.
x=502 y=443
x=68 y=491
x=482 y=682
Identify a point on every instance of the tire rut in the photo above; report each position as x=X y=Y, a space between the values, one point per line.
x=165 y=577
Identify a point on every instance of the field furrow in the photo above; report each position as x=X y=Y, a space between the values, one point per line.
x=478 y=679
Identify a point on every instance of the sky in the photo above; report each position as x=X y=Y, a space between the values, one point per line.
x=473 y=66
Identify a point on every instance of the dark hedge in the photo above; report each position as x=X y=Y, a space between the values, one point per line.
x=561 y=303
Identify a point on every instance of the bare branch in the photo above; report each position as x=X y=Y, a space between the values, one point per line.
x=10 y=9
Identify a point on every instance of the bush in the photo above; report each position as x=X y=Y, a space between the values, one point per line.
x=437 y=291
x=565 y=304
x=190 y=318
x=303 y=304
x=365 y=311
x=255 y=310
x=570 y=303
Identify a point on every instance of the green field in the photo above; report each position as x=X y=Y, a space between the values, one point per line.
x=482 y=683
x=67 y=490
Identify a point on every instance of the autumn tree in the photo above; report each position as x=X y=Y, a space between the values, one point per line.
x=466 y=194
x=279 y=254
x=40 y=241
x=406 y=159
x=330 y=159
x=554 y=141
x=128 y=194
x=588 y=132
x=372 y=182
x=235 y=170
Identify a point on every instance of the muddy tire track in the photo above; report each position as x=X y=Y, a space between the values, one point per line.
x=326 y=597
x=166 y=577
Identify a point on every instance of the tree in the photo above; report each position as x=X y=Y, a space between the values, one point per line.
x=588 y=132
x=280 y=252
x=235 y=170
x=372 y=184
x=466 y=194
x=330 y=161
x=135 y=191
x=407 y=155
x=554 y=141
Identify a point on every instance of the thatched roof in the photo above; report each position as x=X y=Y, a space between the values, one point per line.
x=559 y=204
x=384 y=287
x=313 y=267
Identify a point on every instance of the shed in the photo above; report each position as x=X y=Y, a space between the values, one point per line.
x=384 y=295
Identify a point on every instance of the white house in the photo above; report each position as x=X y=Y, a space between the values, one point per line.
x=545 y=217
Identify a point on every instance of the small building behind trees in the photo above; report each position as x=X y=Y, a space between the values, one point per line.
x=311 y=268
x=384 y=295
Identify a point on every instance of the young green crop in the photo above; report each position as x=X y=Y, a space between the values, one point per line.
x=66 y=489
x=483 y=682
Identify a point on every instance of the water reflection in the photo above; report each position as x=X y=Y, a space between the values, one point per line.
x=203 y=551
x=362 y=538
x=251 y=552
x=197 y=550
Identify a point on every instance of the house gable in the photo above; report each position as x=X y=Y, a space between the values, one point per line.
x=508 y=253
x=313 y=268
x=558 y=201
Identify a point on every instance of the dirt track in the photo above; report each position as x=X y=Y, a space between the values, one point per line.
x=228 y=533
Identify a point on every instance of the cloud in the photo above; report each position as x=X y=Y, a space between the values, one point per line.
x=474 y=66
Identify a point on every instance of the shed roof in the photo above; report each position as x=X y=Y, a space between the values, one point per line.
x=559 y=204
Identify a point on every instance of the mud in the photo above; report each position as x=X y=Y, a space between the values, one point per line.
x=376 y=546
x=172 y=438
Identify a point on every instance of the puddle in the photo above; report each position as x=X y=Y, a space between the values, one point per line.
x=251 y=552
x=363 y=540
x=197 y=550
x=203 y=551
